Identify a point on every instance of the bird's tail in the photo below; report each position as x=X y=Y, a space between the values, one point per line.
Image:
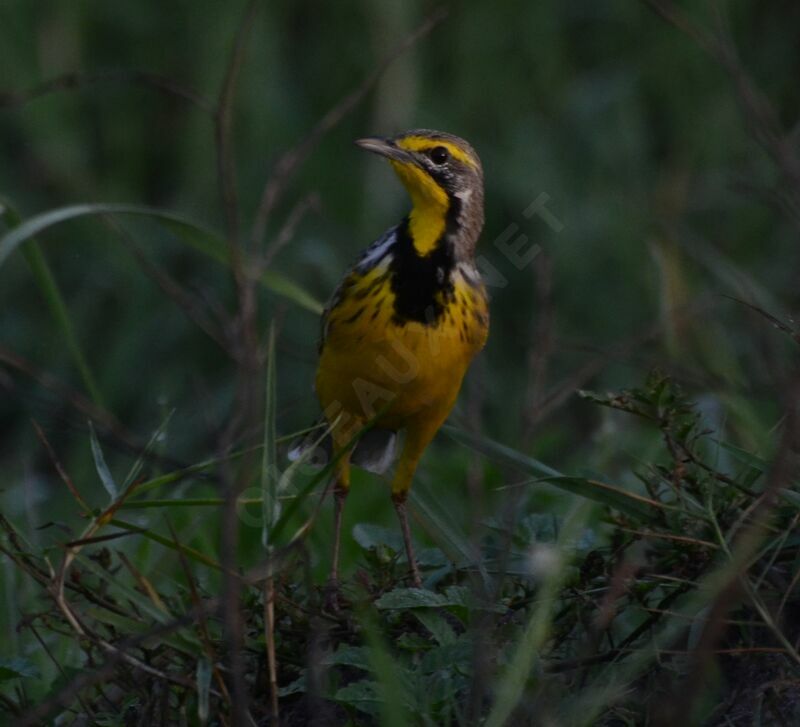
x=375 y=451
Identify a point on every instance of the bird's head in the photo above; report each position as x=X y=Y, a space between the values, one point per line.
x=444 y=178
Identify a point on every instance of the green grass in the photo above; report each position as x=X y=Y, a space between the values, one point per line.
x=576 y=619
x=608 y=525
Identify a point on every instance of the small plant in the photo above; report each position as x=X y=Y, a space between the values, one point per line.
x=596 y=617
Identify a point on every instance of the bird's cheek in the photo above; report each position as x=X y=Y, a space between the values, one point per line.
x=420 y=185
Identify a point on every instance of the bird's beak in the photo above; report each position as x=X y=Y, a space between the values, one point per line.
x=386 y=148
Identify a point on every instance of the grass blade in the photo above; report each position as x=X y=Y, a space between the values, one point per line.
x=512 y=681
x=189 y=232
x=637 y=506
x=134 y=471
x=203 y=688
x=283 y=286
x=308 y=488
x=458 y=544
x=133 y=627
x=176 y=475
x=393 y=689
x=195 y=555
x=501 y=453
x=43 y=275
x=123 y=590
x=100 y=465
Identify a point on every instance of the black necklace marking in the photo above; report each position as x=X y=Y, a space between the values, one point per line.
x=422 y=284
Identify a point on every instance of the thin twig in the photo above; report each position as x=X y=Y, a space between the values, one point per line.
x=202 y=620
x=747 y=544
x=245 y=337
x=118 y=652
x=86 y=708
x=75 y=80
x=570 y=664
x=776 y=322
x=65 y=478
x=224 y=121
x=795 y=580
x=294 y=157
x=287 y=231
x=619 y=351
x=78 y=401
x=89 y=677
x=541 y=348
x=669 y=536
x=192 y=307
x=761 y=120
x=269 y=641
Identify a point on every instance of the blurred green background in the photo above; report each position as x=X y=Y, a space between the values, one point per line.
x=632 y=132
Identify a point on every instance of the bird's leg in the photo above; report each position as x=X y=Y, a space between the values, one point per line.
x=339 y=496
x=418 y=436
x=332 y=596
x=399 y=500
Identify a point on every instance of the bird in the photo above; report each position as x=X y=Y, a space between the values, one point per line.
x=403 y=326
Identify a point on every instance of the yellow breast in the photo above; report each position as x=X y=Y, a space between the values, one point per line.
x=372 y=364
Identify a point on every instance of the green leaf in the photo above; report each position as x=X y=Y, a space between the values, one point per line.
x=369 y=536
x=38 y=223
x=17 y=668
x=413 y=642
x=283 y=286
x=403 y=598
x=436 y=625
x=466 y=598
x=189 y=232
x=421 y=603
x=356 y=656
x=100 y=465
x=298 y=686
x=364 y=695
x=455 y=655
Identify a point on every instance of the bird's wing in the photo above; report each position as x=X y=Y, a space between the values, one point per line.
x=367 y=260
x=376 y=451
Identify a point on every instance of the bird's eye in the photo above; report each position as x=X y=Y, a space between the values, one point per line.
x=438 y=155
